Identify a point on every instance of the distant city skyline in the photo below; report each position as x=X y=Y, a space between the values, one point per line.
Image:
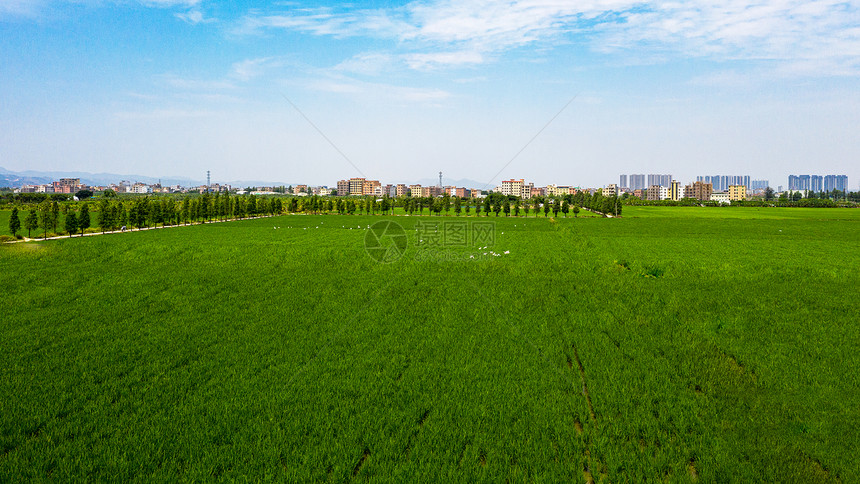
x=564 y=92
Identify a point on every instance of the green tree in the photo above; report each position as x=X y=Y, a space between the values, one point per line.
x=478 y=209
x=498 y=208
x=84 y=194
x=507 y=208
x=32 y=221
x=103 y=216
x=536 y=203
x=55 y=214
x=458 y=206
x=45 y=216
x=109 y=193
x=575 y=211
x=487 y=207
x=14 y=222
x=555 y=208
x=517 y=208
x=565 y=208
x=526 y=205
x=71 y=222
x=546 y=208
x=84 y=218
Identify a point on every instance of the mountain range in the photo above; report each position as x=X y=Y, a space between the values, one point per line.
x=14 y=179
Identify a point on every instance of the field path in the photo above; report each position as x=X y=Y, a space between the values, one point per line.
x=58 y=237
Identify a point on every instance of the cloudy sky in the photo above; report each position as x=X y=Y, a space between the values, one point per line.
x=566 y=92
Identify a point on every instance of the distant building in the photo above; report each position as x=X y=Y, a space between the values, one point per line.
x=415 y=190
x=622 y=181
x=401 y=190
x=699 y=190
x=675 y=191
x=611 y=190
x=356 y=186
x=657 y=192
x=513 y=187
x=67 y=185
x=343 y=187
x=721 y=183
x=720 y=197
x=737 y=192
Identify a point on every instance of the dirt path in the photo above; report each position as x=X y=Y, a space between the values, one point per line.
x=128 y=231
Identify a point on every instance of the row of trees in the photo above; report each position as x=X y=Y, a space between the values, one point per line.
x=112 y=213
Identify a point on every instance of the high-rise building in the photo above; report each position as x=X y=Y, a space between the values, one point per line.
x=759 y=184
x=661 y=180
x=817 y=183
x=836 y=182
x=622 y=181
x=637 y=182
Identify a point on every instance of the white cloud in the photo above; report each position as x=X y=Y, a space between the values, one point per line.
x=367 y=63
x=436 y=59
x=251 y=68
x=194 y=17
x=789 y=30
x=370 y=90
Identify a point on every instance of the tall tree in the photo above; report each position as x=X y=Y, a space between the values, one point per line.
x=565 y=208
x=103 y=216
x=45 y=216
x=55 y=214
x=507 y=207
x=517 y=208
x=71 y=222
x=526 y=205
x=536 y=202
x=555 y=208
x=458 y=206
x=84 y=218
x=32 y=221
x=575 y=211
x=14 y=222
x=546 y=207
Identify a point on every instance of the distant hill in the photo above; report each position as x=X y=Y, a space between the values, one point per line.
x=31 y=177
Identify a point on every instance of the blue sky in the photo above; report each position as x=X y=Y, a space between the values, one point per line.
x=404 y=90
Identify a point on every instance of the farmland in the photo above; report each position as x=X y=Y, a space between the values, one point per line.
x=675 y=343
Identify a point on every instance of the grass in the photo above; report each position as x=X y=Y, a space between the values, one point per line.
x=238 y=350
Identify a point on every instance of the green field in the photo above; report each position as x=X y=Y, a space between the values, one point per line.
x=673 y=344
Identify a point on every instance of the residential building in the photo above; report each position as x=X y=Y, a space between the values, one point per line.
x=657 y=192
x=356 y=186
x=297 y=189
x=611 y=190
x=720 y=197
x=415 y=190
x=699 y=190
x=513 y=187
x=343 y=187
x=637 y=182
x=661 y=180
x=622 y=181
x=140 y=188
x=675 y=191
x=67 y=185
x=369 y=187
x=737 y=192
x=401 y=190
x=836 y=182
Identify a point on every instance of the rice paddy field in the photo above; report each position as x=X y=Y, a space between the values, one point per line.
x=672 y=344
